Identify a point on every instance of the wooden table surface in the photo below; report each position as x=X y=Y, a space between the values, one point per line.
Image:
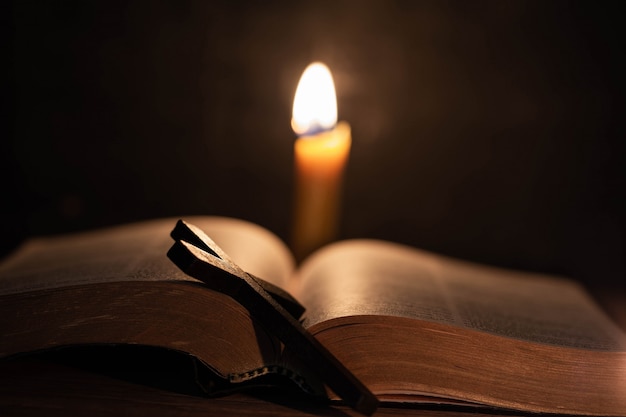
x=32 y=386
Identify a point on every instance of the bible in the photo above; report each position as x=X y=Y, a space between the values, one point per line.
x=413 y=326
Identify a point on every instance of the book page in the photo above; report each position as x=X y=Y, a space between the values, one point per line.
x=137 y=252
x=379 y=278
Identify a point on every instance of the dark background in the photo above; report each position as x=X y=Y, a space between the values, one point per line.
x=485 y=130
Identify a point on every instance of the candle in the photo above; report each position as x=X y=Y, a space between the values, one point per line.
x=321 y=153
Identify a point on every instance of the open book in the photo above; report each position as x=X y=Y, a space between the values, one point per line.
x=412 y=326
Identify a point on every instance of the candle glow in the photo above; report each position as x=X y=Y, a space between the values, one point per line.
x=315 y=103
x=321 y=153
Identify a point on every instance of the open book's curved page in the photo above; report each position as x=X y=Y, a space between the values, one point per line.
x=366 y=277
x=137 y=252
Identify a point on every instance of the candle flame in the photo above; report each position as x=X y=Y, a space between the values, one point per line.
x=315 y=102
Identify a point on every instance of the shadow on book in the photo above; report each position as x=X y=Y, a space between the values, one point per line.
x=169 y=370
x=177 y=372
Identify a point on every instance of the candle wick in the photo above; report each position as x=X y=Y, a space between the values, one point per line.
x=316 y=129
